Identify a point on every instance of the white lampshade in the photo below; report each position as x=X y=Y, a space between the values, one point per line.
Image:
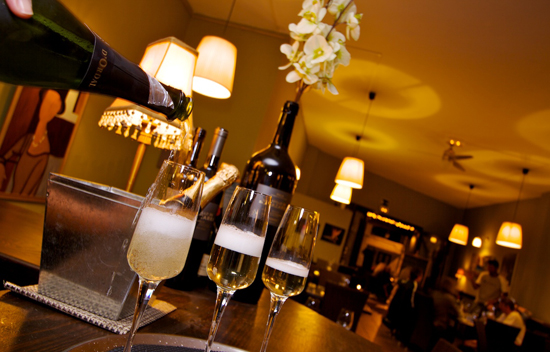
x=459 y=234
x=476 y=242
x=172 y=62
x=351 y=173
x=510 y=235
x=215 y=70
x=341 y=194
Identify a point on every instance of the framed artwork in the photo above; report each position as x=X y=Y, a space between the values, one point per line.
x=34 y=139
x=333 y=234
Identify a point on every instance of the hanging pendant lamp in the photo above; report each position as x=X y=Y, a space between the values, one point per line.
x=510 y=233
x=341 y=194
x=459 y=233
x=352 y=169
x=215 y=71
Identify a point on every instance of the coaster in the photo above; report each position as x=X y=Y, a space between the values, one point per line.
x=155 y=311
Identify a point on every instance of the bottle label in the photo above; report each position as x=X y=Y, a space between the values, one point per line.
x=279 y=201
x=106 y=66
x=205 y=221
x=100 y=65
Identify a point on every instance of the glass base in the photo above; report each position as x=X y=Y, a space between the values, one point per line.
x=150 y=343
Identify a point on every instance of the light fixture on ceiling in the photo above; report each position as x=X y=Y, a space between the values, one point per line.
x=341 y=194
x=215 y=70
x=510 y=233
x=352 y=169
x=173 y=63
x=459 y=233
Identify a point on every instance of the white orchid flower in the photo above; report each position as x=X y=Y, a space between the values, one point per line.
x=311 y=18
x=352 y=28
x=318 y=50
x=306 y=71
x=292 y=54
x=343 y=56
x=324 y=48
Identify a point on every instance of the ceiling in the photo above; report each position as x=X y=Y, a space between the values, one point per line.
x=476 y=71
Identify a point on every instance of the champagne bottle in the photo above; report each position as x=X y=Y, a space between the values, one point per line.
x=54 y=49
x=271 y=171
x=193 y=155
x=199 y=251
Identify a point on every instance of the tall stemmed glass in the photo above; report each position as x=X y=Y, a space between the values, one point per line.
x=163 y=232
x=289 y=259
x=237 y=249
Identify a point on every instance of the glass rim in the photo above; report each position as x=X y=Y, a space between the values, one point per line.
x=250 y=190
x=190 y=168
x=314 y=212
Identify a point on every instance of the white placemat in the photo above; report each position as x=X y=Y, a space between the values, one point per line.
x=153 y=312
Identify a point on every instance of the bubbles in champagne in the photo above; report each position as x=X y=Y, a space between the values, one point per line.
x=160 y=244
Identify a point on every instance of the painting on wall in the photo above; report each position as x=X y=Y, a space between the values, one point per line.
x=34 y=140
x=333 y=234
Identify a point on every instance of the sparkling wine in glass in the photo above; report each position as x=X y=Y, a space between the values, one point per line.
x=237 y=249
x=163 y=231
x=287 y=265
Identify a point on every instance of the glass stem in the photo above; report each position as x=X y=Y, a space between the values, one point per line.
x=146 y=289
x=274 y=309
x=222 y=299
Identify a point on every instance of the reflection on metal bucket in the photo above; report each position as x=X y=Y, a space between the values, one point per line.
x=87 y=230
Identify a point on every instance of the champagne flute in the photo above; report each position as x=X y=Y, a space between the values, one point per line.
x=287 y=265
x=163 y=231
x=237 y=249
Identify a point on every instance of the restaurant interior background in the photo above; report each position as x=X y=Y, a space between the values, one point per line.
x=434 y=203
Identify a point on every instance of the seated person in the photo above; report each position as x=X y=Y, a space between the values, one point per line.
x=510 y=316
x=446 y=310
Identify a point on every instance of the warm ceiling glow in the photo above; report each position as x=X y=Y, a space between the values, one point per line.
x=459 y=234
x=215 y=69
x=510 y=235
x=341 y=194
x=172 y=62
x=351 y=173
x=476 y=242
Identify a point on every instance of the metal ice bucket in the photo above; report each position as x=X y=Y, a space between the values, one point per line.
x=87 y=230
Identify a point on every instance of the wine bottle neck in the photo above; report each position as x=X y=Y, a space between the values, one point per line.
x=193 y=156
x=215 y=152
x=286 y=124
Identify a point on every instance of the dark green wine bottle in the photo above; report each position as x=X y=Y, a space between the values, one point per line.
x=54 y=49
x=271 y=171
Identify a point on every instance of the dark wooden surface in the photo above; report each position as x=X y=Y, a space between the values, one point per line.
x=31 y=326
x=21 y=231
x=26 y=325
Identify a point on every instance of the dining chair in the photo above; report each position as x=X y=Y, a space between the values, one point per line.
x=338 y=297
x=501 y=337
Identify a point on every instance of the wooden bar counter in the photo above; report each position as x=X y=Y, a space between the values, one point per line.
x=26 y=325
